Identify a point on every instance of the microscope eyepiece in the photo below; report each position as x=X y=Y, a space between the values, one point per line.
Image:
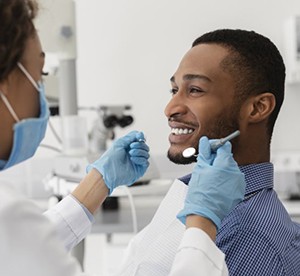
x=110 y=121
x=124 y=121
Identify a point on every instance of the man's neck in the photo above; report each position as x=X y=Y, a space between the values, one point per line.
x=252 y=150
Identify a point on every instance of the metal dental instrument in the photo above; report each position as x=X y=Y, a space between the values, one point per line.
x=214 y=146
x=189 y=152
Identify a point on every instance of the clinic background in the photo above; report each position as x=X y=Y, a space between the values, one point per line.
x=126 y=52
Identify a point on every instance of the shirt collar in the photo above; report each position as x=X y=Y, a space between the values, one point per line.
x=258 y=176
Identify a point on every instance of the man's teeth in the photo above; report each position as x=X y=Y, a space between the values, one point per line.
x=180 y=131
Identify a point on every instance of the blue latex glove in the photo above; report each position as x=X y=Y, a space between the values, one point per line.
x=124 y=162
x=216 y=186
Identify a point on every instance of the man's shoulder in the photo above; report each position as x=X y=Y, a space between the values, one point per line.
x=260 y=219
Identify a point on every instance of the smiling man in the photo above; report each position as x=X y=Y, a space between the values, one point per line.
x=221 y=86
x=202 y=102
x=229 y=80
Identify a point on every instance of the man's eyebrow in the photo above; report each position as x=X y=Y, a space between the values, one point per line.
x=42 y=54
x=192 y=77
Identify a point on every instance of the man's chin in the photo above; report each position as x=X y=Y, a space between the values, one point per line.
x=177 y=158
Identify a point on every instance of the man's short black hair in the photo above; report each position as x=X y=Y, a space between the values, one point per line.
x=255 y=63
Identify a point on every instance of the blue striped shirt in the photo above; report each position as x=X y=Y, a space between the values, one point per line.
x=258 y=237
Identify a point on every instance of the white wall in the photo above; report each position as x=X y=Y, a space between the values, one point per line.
x=127 y=51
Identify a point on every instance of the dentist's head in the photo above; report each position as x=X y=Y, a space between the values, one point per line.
x=23 y=108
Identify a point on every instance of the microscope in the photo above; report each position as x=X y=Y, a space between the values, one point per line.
x=72 y=167
x=111 y=116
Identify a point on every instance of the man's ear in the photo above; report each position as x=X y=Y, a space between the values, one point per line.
x=260 y=107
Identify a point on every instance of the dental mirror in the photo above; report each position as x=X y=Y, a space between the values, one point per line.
x=189 y=152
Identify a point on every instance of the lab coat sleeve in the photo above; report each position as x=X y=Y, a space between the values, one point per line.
x=198 y=255
x=71 y=222
x=29 y=244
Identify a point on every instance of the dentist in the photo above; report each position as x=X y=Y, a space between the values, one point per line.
x=32 y=243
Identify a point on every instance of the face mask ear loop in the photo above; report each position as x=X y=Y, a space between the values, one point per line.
x=10 y=109
x=22 y=68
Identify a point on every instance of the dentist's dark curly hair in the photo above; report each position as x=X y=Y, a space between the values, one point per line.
x=255 y=64
x=16 y=26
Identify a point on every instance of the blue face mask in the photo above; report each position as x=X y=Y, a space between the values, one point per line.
x=28 y=133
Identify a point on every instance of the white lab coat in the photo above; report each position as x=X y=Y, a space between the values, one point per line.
x=29 y=244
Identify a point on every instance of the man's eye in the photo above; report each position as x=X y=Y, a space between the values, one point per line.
x=173 y=91
x=196 y=90
x=45 y=73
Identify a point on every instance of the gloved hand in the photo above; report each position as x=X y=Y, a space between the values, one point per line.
x=216 y=184
x=124 y=162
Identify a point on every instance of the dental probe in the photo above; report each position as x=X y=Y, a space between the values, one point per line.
x=189 y=152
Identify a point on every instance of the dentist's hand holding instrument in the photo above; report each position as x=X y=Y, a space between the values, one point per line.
x=216 y=184
x=124 y=162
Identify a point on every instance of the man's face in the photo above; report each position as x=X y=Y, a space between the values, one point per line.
x=202 y=101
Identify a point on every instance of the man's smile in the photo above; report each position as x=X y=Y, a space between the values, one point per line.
x=181 y=131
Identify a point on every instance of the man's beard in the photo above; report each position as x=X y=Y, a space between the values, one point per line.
x=219 y=128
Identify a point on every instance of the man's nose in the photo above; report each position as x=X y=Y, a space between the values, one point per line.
x=176 y=106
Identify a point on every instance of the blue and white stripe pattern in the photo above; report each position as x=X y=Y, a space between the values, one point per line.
x=258 y=237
